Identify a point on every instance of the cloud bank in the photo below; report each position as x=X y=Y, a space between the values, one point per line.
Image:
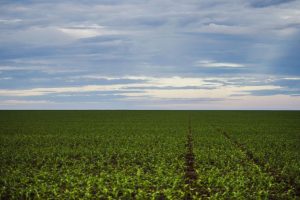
x=149 y=54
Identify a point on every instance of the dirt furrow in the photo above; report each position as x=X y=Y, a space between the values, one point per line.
x=190 y=172
x=194 y=190
x=289 y=184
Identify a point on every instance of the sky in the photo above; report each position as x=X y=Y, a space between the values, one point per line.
x=142 y=54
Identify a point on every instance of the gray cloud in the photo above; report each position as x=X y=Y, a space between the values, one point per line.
x=61 y=44
x=265 y=3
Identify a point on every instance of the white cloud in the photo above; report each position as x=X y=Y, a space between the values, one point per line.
x=220 y=92
x=86 y=31
x=10 y=21
x=37 y=36
x=150 y=81
x=45 y=69
x=168 y=34
x=15 y=68
x=292 y=78
x=5 y=78
x=153 y=87
x=211 y=63
x=81 y=33
x=45 y=91
x=224 y=29
x=23 y=102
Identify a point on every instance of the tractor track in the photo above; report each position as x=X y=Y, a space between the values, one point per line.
x=191 y=176
x=190 y=172
x=278 y=178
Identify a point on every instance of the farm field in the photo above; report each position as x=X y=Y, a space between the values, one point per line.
x=149 y=154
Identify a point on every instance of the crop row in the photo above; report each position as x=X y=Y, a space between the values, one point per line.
x=80 y=159
x=267 y=165
x=142 y=155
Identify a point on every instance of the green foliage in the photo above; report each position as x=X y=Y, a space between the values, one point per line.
x=141 y=154
x=272 y=138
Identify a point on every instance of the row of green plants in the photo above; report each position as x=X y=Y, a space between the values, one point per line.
x=68 y=156
x=141 y=154
x=278 y=149
x=272 y=171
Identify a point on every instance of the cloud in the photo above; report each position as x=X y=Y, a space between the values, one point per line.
x=223 y=29
x=36 y=36
x=266 y=3
x=220 y=92
x=39 y=68
x=211 y=63
x=10 y=21
x=6 y=78
x=152 y=87
x=84 y=31
x=14 y=68
x=156 y=52
x=22 y=102
x=292 y=78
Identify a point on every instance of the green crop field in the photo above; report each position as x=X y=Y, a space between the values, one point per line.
x=149 y=154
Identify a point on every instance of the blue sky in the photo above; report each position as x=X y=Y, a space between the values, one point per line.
x=142 y=54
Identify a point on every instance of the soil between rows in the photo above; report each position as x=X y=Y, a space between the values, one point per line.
x=289 y=184
x=193 y=190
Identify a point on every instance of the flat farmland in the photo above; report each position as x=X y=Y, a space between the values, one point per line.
x=149 y=154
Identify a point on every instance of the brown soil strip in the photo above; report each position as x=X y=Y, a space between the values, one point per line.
x=289 y=184
x=190 y=172
x=194 y=190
